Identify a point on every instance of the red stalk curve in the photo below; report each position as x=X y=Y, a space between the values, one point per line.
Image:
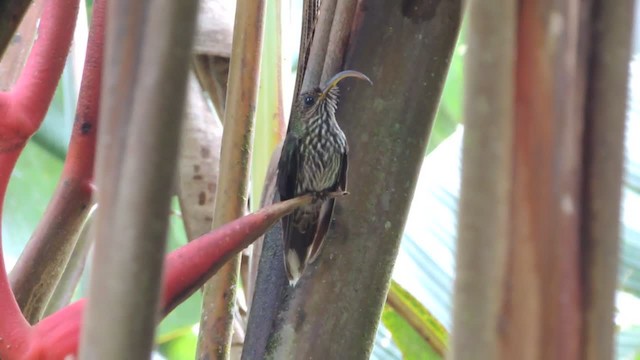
x=21 y=113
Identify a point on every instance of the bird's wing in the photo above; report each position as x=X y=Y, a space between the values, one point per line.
x=294 y=247
x=344 y=166
x=288 y=168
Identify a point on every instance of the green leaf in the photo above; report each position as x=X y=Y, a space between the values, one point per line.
x=450 y=109
x=411 y=344
x=182 y=347
x=269 y=109
x=418 y=317
x=30 y=188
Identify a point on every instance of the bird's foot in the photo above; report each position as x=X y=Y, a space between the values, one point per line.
x=319 y=196
x=326 y=195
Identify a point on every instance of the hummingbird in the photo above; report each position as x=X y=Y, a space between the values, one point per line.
x=313 y=161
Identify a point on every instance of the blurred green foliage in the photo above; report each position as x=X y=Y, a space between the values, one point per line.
x=30 y=188
x=450 y=109
x=410 y=343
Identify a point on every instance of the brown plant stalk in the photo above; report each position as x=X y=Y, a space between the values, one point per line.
x=542 y=300
x=235 y=157
x=486 y=173
x=611 y=39
x=127 y=268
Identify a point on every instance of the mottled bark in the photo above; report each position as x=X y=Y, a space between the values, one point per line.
x=333 y=311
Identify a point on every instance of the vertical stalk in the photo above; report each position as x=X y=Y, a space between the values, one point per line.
x=542 y=297
x=132 y=219
x=604 y=158
x=318 y=45
x=486 y=173
x=235 y=162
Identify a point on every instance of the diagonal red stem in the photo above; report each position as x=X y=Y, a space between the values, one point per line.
x=186 y=269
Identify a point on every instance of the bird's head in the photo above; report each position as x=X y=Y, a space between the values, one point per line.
x=323 y=100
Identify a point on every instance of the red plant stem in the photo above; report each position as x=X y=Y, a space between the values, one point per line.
x=41 y=264
x=34 y=89
x=82 y=148
x=57 y=336
x=187 y=268
x=13 y=326
x=21 y=112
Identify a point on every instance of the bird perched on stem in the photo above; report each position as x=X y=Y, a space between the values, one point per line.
x=313 y=160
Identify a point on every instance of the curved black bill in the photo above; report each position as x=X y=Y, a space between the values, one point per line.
x=341 y=76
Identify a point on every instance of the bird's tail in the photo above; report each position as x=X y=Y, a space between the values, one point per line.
x=304 y=232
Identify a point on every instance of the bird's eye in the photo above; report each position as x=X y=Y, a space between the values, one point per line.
x=309 y=100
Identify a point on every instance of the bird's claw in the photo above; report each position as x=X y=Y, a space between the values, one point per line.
x=319 y=196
